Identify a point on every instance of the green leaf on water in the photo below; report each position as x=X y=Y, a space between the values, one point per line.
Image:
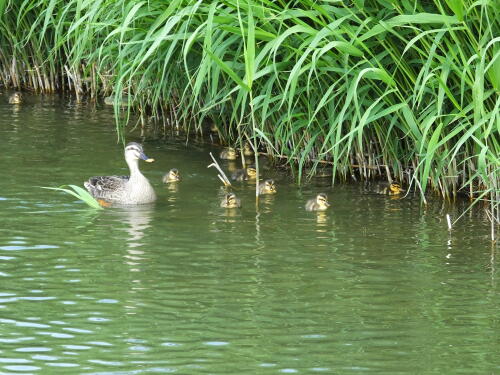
x=79 y=193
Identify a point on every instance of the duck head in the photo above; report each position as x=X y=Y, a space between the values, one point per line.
x=395 y=188
x=322 y=201
x=269 y=186
x=134 y=151
x=172 y=176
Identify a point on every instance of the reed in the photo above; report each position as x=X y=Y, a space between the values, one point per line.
x=410 y=87
x=79 y=193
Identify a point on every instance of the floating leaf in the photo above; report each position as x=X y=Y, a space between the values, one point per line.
x=79 y=193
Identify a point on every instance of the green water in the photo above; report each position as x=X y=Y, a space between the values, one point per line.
x=374 y=286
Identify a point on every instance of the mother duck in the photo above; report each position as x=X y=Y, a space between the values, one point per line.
x=133 y=189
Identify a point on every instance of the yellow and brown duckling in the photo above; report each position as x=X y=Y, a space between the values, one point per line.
x=16 y=98
x=247 y=149
x=387 y=188
x=213 y=127
x=249 y=173
x=267 y=187
x=122 y=102
x=319 y=203
x=172 y=175
x=230 y=201
x=228 y=153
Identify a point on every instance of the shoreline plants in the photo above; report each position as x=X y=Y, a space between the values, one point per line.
x=407 y=90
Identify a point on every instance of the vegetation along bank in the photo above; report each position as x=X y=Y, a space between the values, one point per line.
x=408 y=89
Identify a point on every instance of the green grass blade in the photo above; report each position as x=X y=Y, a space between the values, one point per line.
x=79 y=193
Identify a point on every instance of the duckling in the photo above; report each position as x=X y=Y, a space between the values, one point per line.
x=247 y=149
x=231 y=166
x=16 y=98
x=387 y=188
x=320 y=203
x=228 y=153
x=244 y=174
x=267 y=187
x=172 y=176
x=230 y=201
x=213 y=127
x=122 y=102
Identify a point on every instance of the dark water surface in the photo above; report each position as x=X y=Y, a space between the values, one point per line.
x=373 y=286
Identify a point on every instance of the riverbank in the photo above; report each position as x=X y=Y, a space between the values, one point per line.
x=372 y=90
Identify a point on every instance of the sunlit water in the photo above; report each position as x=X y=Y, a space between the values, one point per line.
x=375 y=285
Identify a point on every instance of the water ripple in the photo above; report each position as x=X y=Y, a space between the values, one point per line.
x=33 y=349
x=184 y=287
x=23 y=324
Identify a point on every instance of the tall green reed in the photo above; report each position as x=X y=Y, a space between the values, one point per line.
x=402 y=89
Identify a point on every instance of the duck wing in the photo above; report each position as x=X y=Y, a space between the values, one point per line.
x=105 y=186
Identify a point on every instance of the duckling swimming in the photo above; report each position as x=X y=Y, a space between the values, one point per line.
x=230 y=201
x=172 y=176
x=228 y=153
x=387 y=188
x=244 y=174
x=213 y=127
x=320 y=203
x=122 y=102
x=267 y=187
x=247 y=149
x=16 y=98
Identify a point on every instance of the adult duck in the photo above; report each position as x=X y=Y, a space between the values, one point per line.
x=133 y=189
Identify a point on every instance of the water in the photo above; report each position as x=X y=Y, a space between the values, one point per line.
x=373 y=286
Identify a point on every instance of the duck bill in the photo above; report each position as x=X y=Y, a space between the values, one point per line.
x=146 y=159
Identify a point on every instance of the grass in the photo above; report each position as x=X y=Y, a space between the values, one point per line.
x=79 y=193
x=405 y=90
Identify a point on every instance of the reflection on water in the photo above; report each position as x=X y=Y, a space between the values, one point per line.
x=172 y=187
x=136 y=219
x=372 y=285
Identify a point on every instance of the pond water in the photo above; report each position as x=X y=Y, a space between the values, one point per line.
x=375 y=285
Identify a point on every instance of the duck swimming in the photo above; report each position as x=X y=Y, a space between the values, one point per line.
x=213 y=127
x=122 y=102
x=387 y=188
x=172 y=176
x=15 y=98
x=319 y=203
x=228 y=153
x=133 y=189
x=248 y=173
x=267 y=187
x=230 y=201
x=247 y=149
